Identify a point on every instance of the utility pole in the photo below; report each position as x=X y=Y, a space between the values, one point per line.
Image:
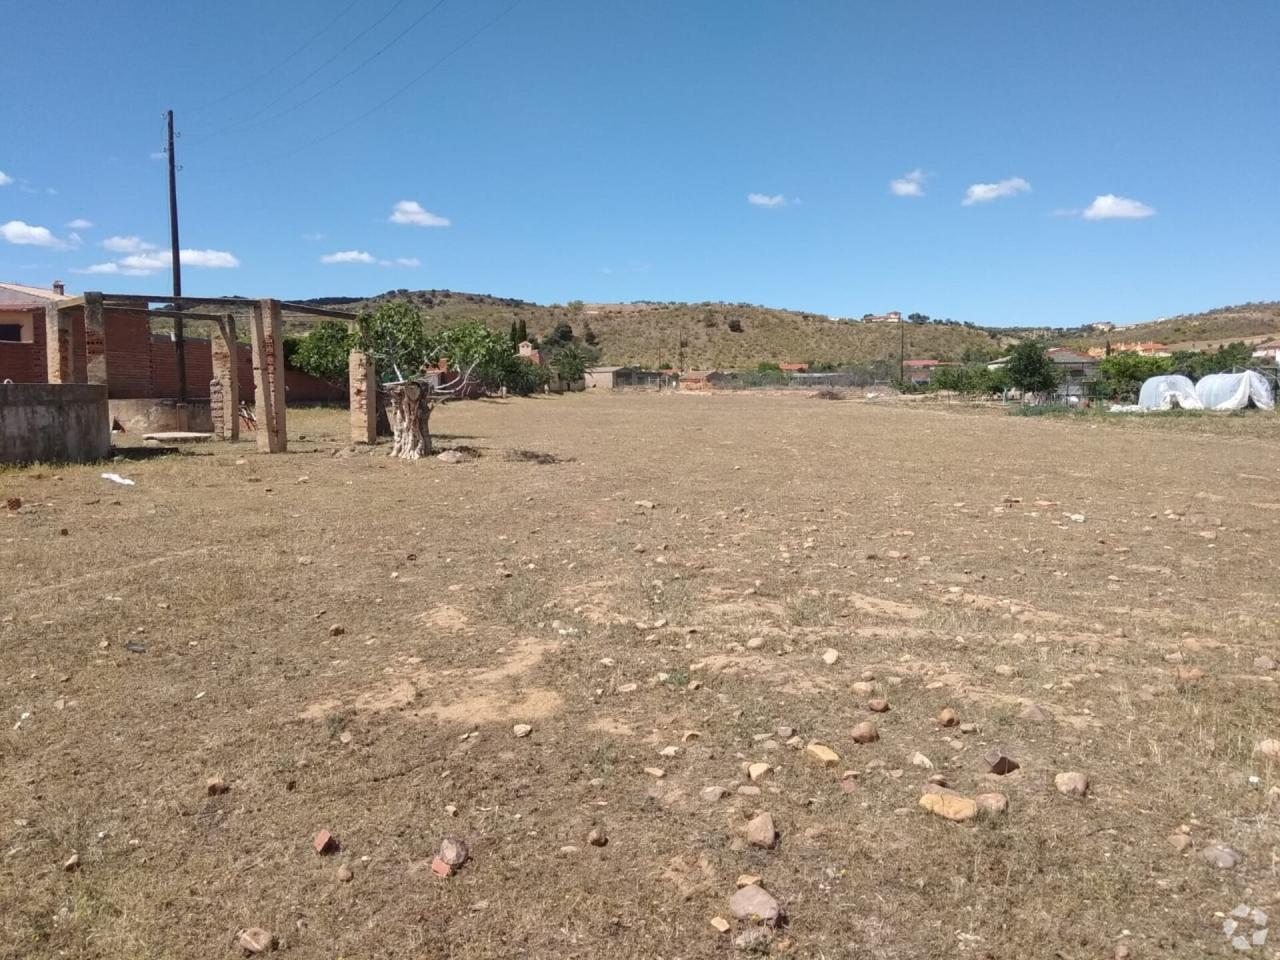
x=179 y=343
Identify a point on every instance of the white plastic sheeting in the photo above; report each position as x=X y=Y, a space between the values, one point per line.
x=1168 y=393
x=1235 y=391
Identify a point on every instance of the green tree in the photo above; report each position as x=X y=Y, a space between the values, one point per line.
x=524 y=332
x=515 y=334
x=324 y=351
x=561 y=333
x=1030 y=369
x=1124 y=373
x=570 y=363
x=735 y=325
x=589 y=336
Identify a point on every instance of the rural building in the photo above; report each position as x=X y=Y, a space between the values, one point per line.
x=794 y=367
x=700 y=379
x=606 y=378
x=141 y=366
x=893 y=316
x=920 y=372
x=1268 y=351
x=527 y=351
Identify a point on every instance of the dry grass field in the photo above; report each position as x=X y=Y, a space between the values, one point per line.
x=347 y=643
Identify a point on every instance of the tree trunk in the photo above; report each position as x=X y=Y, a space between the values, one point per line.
x=409 y=411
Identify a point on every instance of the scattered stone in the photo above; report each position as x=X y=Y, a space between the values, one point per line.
x=865 y=732
x=344 y=874
x=1071 y=784
x=999 y=763
x=755 y=643
x=823 y=754
x=947 y=718
x=918 y=759
x=862 y=687
x=830 y=656
x=656 y=772
x=1268 y=748
x=597 y=837
x=1180 y=842
x=522 y=729
x=748 y=790
x=754 y=903
x=450 y=456
x=453 y=851
x=1004 y=670
x=1034 y=713
x=1265 y=664
x=1221 y=856
x=216 y=785
x=878 y=706
x=992 y=804
x=720 y=923
x=784 y=732
x=72 y=863
x=950 y=806
x=712 y=794
x=758 y=771
x=440 y=868
x=746 y=880
x=255 y=940
x=337 y=630
x=761 y=831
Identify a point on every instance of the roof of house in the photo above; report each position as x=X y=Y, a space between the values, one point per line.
x=604 y=369
x=921 y=363
x=22 y=296
x=1063 y=355
x=793 y=367
x=697 y=375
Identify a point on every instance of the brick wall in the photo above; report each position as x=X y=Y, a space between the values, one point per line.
x=143 y=365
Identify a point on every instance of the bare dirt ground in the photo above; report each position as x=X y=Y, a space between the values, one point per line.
x=348 y=642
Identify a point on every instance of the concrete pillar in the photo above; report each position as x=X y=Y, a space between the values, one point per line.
x=268 y=376
x=224 y=389
x=95 y=328
x=364 y=398
x=59 y=345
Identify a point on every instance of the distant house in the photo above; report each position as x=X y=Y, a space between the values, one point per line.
x=606 y=378
x=1147 y=348
x=893 y=316
x=699 y=379
x=22 y=309
x=794 y=367
x=527 y=352
x=1075 y=369
x=1268 y=351
x=920 y=372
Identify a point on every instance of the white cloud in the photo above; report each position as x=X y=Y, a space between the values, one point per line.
x=127 y=245
x=29 y=235
x=79 y=223
x=5 y=179
x=313 y=236
x=766 y=200
x=148 y=260
x=1110 y=207
x=408 y=262
x=411 y=212
x=911 y=185
x=986 y=192
x=347 y=256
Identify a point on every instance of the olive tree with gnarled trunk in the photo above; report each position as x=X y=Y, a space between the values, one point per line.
x=411 y=381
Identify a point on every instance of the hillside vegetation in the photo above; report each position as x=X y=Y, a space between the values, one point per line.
x=692 y=336
x=1208 y=330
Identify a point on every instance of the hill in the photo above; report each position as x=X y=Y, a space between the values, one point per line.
x=697 y=335
x=1208 y=330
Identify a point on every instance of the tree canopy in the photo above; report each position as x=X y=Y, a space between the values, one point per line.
x=1030 y=369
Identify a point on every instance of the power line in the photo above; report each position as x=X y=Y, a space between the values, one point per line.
x=358 y=67
x=237 y=124
x=421 y=76
x=280 y=62
x=436 y=64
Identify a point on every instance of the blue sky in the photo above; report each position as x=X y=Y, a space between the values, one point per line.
x=1120 y=159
